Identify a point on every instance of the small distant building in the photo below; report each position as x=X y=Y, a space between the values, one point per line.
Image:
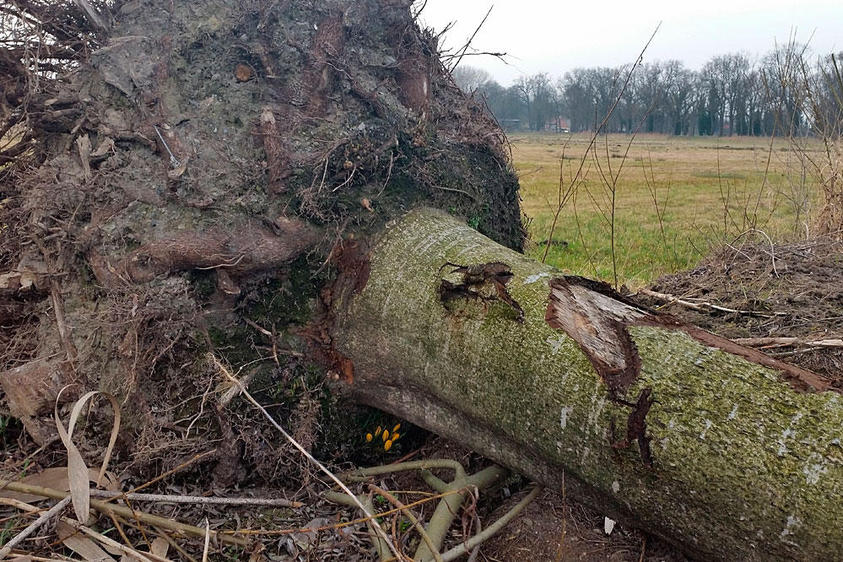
x=559 y=125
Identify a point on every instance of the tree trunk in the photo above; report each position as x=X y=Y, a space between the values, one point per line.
x=719 y=449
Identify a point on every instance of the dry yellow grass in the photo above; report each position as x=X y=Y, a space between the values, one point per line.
x=675 y=199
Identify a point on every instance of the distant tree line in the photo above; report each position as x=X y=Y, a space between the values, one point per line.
x=781 y=93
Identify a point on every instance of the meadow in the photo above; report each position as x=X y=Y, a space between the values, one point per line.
x=633 y=208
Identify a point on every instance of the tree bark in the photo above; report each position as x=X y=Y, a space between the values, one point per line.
x=715 y=447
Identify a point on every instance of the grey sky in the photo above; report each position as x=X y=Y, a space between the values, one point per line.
x=556 y=36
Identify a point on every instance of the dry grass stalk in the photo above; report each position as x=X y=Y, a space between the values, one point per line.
x=702 y=306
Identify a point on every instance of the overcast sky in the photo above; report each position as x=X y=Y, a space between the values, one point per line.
x=558 y=35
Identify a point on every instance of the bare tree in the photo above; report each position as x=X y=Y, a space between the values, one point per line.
x=470 y=78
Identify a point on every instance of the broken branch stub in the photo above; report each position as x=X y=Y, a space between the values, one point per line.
x=717 y=448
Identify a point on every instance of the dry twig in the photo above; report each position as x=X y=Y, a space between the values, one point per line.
x=46 y=516
x=200 y=500
x=704 y=306
x=789 y=342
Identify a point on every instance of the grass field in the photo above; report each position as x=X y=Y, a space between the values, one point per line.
x=675 y=199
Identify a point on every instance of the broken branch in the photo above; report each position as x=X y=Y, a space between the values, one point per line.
x=703 y=306
x=46 y=516
x=789 y=342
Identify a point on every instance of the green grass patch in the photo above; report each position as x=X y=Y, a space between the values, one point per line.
x=675 y=199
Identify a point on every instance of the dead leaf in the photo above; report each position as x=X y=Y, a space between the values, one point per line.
x=77 y=470
x=83 y=546
x=178 y=172
x=115 y=428
x=243 y=73
x=160 y=547
x=105 y=146
x=367 y=205
x=77 y=474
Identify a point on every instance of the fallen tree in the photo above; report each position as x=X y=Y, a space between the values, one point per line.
x=718 y=448
x=186 y=178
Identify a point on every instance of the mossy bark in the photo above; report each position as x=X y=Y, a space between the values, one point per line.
x=708 y=445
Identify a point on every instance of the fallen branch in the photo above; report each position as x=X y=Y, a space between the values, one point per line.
x=704 y=306
x=789 y=342
x=202 y=500
x=46 y=516
x=130 y=514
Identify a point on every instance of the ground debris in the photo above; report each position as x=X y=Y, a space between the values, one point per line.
x=802 y=298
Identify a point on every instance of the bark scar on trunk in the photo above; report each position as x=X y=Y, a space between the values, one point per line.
x=591 y=313
x=596 y=317
x=478 y=282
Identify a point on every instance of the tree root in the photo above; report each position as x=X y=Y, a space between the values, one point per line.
x=453 y=493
